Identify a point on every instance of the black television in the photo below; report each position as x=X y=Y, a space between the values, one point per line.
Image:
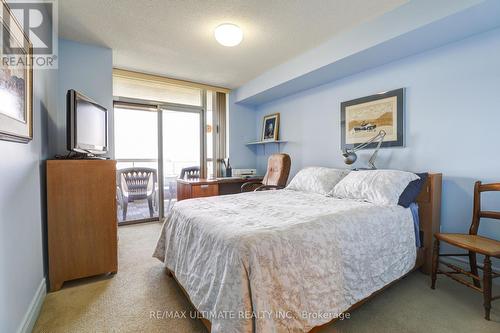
x=87 y=125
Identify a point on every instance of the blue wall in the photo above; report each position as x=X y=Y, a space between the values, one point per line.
x=22 y=187
x=242 y=130
x=22 y=214
x=452 y=120
x=89 y=70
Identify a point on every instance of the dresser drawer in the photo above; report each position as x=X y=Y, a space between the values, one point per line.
x=199 y=191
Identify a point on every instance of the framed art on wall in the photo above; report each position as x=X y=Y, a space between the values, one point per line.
x=16 y=80
x=270 y=127
x=363 y=118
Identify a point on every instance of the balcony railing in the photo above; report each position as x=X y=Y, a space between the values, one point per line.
x=170 y=168
x=139 y=210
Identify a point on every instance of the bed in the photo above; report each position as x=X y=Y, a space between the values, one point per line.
x=289 y=261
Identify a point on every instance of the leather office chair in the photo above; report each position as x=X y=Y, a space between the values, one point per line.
x=278 y=169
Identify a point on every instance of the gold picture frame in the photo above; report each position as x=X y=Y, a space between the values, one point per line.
x=16 y=82
x=270 y=127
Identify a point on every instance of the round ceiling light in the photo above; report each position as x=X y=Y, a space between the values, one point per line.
x=228 y=34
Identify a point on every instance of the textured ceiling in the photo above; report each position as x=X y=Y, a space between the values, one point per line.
x=175 y=38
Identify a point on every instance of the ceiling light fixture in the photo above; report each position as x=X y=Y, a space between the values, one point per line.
x=228 y=34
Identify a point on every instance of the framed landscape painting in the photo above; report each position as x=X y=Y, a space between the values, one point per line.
x=364 y=118
x=16 y=81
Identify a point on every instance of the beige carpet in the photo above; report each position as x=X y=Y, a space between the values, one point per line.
x=123 y=303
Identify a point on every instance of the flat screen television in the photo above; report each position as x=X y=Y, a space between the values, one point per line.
x=87 y=125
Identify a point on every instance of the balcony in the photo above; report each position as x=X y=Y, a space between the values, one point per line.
x=148 y=185
x=152 y=146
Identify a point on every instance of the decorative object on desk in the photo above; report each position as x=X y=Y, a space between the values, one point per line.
x=16 y=81
x=244 y=173
x=227 y=167
x=270 y=127
x=350 y=154
x=363 y=117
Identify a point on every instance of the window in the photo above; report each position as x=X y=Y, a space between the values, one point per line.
x=136 y=134
x=210 y=136
x=168 y=125
x=155 y=91
x=136 y=146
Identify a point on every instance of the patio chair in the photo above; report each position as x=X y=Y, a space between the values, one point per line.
x=136 y=184
x=190 y=172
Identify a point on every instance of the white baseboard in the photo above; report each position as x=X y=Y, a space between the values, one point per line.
x=34 y=309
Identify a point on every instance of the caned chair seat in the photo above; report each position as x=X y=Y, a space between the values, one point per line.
x=474 y=243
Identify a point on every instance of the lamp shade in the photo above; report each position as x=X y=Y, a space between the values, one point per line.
x=228 y=34
x=349 y=157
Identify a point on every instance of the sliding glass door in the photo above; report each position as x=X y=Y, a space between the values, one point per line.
x=155 y=141
x=136 y=152
x=181 y=148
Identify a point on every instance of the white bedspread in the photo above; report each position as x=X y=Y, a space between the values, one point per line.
x=292 y=260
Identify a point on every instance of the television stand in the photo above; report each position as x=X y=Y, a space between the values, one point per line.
x=81 y=219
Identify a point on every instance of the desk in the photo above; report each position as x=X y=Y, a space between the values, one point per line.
x=198 y=187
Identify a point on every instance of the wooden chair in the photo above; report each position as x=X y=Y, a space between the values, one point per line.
x=473 y=243
x=278 y=170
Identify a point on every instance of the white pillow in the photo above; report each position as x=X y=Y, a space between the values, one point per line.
x=317 y=179
x=381 y=187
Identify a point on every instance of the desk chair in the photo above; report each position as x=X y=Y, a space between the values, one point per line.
x=278 y=169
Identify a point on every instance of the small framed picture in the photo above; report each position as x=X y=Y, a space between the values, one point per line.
x=363 y=118
x=270 y=127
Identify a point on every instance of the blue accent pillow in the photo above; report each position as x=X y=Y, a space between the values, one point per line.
x=412 y=191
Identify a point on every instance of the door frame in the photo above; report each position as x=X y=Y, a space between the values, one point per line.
x=140 y=108
x=200 y=109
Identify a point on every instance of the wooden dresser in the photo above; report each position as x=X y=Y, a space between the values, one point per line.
x=82 y=222
x=199 y=187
